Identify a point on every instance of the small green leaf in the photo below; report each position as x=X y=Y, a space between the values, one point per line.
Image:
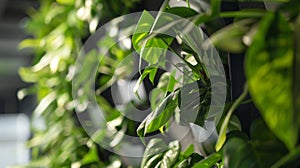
x=193 y=159
x=151 y=49
x=91 y=156
x=182 y=11
x=210 y=161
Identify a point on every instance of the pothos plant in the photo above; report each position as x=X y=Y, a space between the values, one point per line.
x=269 y=39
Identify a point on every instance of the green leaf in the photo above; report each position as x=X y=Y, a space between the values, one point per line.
x=158 y=154
x=66 y=2
x=167 y=82
x=170 y=157
x=296 y=69
x=193 y=100
x=155 y=147
x=151 y=49
x=232 y=37
x=239 y=154
x=159 y=117
x=215 y=6
x=210 y=161
x=151 y=71
x=263 y=150
x=269 y=74
x=91 y=156
x=190 y=161
x=182 y=11
x=156 y=97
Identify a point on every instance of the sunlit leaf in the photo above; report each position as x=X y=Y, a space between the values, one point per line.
x=158 y=154
x=210 y=161
x=151 y=49
x=159 y=117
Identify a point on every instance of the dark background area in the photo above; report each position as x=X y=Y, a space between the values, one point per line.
x=12 y=19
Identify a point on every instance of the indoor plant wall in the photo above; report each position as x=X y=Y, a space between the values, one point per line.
x=269 y=39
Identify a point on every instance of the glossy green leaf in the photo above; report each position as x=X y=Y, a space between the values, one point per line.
x=170 y=157
x=159 y=117
x=158 y=154
x=269 y=74
x=210 y=161
x=148 y=71
x=151 y=49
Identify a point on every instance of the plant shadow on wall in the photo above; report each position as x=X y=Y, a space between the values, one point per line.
x=269 y=38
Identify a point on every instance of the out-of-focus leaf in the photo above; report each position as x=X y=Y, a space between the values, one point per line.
x=215 y=6
x=230 y=38
x=44 y=104
x=238 y=154
x=91 y=156
x=269 y=74
x=296 y=69
x=182 y=11
x=66 y=2
x=262 y=151
x=234 y=124
x=159 y=117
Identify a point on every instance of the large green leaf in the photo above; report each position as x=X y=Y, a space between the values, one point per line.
x=160 y=116
x=269 y=74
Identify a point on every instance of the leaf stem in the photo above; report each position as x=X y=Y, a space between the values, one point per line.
x=222 y=137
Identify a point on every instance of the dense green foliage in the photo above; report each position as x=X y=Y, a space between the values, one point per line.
x=269 y=39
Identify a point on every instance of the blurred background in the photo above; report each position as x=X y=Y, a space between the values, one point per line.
x=14 y=114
